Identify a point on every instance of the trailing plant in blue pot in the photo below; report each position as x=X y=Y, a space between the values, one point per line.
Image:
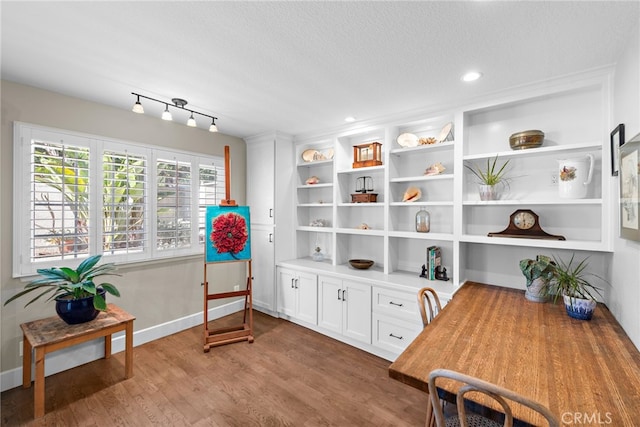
x=78 y=298
x=570 y=280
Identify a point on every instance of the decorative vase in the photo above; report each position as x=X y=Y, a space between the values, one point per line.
x=423 y=221
x=317 y=255
x=579 y=308
x=74 y=311
x=488 y=192
x=536 y=291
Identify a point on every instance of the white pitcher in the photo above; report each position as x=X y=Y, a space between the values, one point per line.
x=574 y=177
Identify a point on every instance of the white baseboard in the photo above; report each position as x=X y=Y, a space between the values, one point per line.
x=93 y=350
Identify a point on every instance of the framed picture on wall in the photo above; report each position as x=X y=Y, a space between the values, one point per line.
x=228 y=237
x=616 y=140
x=630 y=189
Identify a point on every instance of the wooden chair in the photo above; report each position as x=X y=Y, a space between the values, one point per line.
x=427 y=297
x=472 y=384
x=430 y=306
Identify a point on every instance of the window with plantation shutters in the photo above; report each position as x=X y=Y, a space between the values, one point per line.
x=174 y=204
x=59 y=200
x=77 y=195
x=210 y=192
x=124 y=197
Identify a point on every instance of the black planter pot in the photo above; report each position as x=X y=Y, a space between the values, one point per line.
x=78 y=310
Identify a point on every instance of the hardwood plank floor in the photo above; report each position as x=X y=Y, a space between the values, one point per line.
x=290 y=376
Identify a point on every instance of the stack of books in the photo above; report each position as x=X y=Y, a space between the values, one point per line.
x=434 y=259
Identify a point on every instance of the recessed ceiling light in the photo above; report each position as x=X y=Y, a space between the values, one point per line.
x=349 y=119
x=471 y=76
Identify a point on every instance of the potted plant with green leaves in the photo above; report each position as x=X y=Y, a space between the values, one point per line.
x=78 y=298
x=571 y=281
x=539 y=272
x=490 y=177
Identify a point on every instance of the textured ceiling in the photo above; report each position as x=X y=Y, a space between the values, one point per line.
x=298 y=67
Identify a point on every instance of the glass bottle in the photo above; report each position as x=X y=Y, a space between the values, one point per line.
x=423 y=221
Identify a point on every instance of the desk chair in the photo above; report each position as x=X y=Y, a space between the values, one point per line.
x=471 y=384
x=430 y=306
x=427 y=297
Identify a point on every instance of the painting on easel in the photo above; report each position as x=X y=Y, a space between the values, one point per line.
x=228 y=234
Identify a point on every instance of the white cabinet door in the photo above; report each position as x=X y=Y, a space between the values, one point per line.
x=298 y=295
x=356 y=302
x=330 y=303
x=287 y=293
x=345 y=307
x=263 y=268
x=307 y=297
x=261 y=180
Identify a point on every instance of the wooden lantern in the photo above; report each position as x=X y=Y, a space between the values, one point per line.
x=369 y=154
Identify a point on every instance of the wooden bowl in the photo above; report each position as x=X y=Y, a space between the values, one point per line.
x=361 y=264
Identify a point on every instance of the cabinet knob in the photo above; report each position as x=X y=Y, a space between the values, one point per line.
x=396 y=337
x=270 y=237
x=343 y=295
x=271 y=213
x=292 y=279
x=296 y=283
x=396 y=304
x=338 y=294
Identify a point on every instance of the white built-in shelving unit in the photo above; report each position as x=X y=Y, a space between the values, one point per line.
x=573 y=114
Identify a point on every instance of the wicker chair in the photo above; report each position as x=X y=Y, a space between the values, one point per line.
x=472 y=384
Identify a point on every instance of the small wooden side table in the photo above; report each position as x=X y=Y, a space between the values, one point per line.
x=51 y=334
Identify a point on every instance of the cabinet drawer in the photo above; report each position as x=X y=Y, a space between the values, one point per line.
x=393 y=334
x=396 y=303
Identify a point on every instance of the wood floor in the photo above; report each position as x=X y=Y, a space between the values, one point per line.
x=290 y=376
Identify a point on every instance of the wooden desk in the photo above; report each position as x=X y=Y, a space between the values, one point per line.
x=581 y=370
x=51 y=334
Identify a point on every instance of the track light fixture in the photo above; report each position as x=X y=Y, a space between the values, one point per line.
x=177 y=103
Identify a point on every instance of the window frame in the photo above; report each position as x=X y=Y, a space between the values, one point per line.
x=24 y=133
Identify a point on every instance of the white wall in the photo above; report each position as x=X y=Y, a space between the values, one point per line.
x=624 y=299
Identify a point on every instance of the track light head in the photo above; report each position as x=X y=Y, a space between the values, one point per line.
x=191 y=122
x=137 y=107
x=166 y=115
x=213 y=127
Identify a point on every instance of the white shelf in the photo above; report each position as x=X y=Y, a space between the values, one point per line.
x=446 y=176
x=420 y=148
x=535 y=243
x=445 y=237
x=321 y=185
x=361 y=205
x=412 y=204
x=521 y=202
x=361 y=170
x=316 y=163
x=538 y=151
x=314 y=229
x=360 y=232
x=315 y=205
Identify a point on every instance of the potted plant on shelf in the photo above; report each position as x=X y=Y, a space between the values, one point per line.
x=571 y=281
x=539 y=272
x=490 y=177
x=78 y=298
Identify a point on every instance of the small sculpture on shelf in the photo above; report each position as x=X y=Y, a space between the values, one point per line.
x=412 y=194
x=441 y=273
x=435 y=169
x=318 y=223
x=364 y=186
x=312 y=180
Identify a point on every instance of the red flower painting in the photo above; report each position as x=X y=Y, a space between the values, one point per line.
x=229 y=233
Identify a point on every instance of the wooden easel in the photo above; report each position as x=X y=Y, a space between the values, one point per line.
x=221 y=336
